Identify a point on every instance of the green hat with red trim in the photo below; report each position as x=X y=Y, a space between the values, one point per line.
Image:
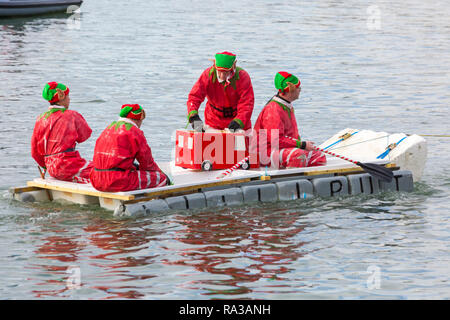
x=281 y=81
x=132 y=111
x=224 y=61
x=51 y=91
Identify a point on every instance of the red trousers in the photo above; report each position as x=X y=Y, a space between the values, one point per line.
x=115 y=181
x=82 y=176
x=296 y=158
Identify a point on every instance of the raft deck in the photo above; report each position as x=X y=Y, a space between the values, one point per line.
x=194 y=189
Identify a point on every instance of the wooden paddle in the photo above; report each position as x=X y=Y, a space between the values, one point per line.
x=373 y=169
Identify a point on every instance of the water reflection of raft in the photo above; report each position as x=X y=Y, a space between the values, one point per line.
x=12 y=8
x=194 y=189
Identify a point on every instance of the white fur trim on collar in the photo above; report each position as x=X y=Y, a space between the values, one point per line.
x=56 y=107
x=282 y=101
x=128 y=121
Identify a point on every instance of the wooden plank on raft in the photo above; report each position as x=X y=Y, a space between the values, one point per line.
x=94 y=193
x=17 y=190
x=344 y=171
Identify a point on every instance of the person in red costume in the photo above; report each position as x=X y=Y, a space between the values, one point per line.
x=55 y=135
x=276 y=126
x=230 y=96
x=118 y=146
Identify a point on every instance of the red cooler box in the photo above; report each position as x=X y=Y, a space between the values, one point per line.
x=211 y=150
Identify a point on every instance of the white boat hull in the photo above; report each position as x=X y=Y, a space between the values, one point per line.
x=366 y=146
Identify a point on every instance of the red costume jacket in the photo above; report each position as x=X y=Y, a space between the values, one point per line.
x=53 y=142
x=115 y=151
x=277 y=117
x=234 y=100
x=275 y=122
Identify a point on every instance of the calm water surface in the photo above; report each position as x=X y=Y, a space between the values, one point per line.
x=392 y=76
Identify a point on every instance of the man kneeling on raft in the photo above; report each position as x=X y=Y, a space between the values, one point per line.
x=55 y=135
x=229 y=94
x=118 y=146
x=278 y=141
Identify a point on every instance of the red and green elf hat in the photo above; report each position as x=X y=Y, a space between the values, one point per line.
x=51 y=94
x=281 y=81
x=132 y=111
x=224 y=61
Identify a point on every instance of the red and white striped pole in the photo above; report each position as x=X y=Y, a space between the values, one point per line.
x=331 y=153
x=373 y=169
x=233 y=168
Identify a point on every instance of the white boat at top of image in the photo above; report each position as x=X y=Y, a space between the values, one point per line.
x=13 y=8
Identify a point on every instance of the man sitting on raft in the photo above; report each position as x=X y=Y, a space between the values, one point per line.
x=230 y=96
x=115 y=151
x=55 y=135
x=279 y=143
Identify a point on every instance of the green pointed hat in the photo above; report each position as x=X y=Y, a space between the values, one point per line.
x=132 y=111
x=50 y=92
x=224 y=60
x=282 y=78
